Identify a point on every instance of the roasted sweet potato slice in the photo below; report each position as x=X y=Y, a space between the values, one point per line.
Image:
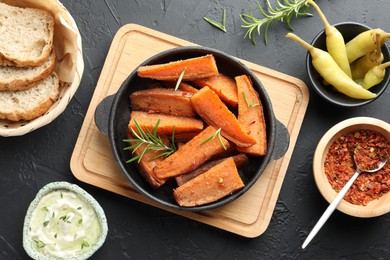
x=224 y=86
x=230 y=151
x=162 y=100
x=183 y=86
x=239 y=159
x=185 y=137
x=251 y=116
x=191 y=155
x=195 y=68
x=210 y=107
x=216 y=183
x=148 y=121
x=146 y=166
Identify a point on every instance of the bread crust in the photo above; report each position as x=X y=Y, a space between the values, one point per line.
x=31 y=81
x=18 y=114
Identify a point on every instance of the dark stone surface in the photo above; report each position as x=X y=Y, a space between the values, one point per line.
x=138 y=231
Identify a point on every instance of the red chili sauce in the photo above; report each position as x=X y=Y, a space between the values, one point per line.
x=339 y=165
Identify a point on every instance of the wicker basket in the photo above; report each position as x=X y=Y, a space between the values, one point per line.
x=69 y=50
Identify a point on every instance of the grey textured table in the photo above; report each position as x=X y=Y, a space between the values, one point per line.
x=139 y=231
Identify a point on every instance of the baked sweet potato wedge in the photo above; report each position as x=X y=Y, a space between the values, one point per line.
x=210 y=107
x=216 y=183
x=163 y=100
x=185 y=137
x=224 y=86
x=146 y=166
x=239 y=159
x=191 y=155
x=251 y=116
x=148 y=121
x=195 y=68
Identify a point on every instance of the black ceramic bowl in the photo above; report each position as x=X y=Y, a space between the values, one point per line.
x=349 y=30
x=113 y=114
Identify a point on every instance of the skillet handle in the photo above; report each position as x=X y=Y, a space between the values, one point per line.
x=282 y=141
x=102 y=114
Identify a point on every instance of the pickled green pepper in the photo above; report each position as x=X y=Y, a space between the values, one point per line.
x=332 y=73
x=365 y=42
x=375 y=75
x=360 y=66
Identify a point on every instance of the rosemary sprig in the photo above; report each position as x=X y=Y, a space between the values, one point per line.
x=252 y=104
x=221 y=26
x=211 y=137
x=283 y=13
x=152 y=141
x=180 y=79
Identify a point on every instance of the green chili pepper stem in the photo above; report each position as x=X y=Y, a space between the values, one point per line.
x=320 y=13
x=384 y=65
x=334 y=42
x=383 y=37
x=309 y=47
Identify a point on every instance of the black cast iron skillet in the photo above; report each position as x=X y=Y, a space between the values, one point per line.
x=113 y=113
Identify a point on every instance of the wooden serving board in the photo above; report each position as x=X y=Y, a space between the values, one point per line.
x=93 y=162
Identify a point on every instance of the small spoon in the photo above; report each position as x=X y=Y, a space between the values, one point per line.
x=339 y=197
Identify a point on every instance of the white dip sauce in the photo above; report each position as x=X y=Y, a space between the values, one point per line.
x=64 y=225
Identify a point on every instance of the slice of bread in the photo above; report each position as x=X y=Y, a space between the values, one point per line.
x=22 y=78
x=31 y=103
x=26 y=35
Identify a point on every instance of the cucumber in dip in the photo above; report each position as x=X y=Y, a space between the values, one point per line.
x=63 y=222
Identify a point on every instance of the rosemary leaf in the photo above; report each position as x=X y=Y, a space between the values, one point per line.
x=164 y=154
x=145 y=151
x=209 y=138
x=158 y=121
x=133 y=159
x=180 y=79
x=133 y=147
x=221 y=26
x=220 y=140
x=284 y=12
x=217 y=133
x=250 y=105
x=142 y=134
x=173 y=139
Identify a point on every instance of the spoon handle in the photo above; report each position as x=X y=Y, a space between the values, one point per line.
x=330 y=209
